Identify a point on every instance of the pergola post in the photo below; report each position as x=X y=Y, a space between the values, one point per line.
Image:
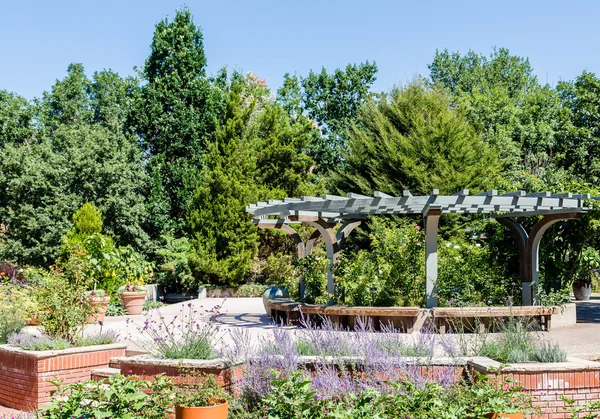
x=331 y=247
x=529 y=252
x=431 y=220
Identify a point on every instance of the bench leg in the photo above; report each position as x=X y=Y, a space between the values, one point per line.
x=548 y=321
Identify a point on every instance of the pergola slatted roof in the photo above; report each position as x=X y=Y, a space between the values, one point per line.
x=323 y=213
x=358 y=206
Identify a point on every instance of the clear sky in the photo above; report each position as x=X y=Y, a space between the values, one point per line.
x=38 y=39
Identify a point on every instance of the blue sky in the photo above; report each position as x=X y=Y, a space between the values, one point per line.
x=38 y=39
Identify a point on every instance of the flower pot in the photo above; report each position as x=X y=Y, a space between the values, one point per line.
x=219 y=411
x=271 y=293
x=582 y=290
x=34 y=321
x=505 y=416
x=99 y=306
x=133 y=302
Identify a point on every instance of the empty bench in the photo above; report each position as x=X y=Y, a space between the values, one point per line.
x=486 y=317
x=290 y=312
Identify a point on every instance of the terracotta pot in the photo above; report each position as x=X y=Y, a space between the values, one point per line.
x=99 y=306
x=219 y=411
x=34 y=321
x=505 y=416
x=133 y=301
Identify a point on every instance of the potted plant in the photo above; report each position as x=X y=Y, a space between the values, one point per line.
x=203 y=399
x=133 y=297
x=99 y=302
x=589 y=263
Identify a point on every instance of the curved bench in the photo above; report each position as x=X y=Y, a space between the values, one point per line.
x=290 y=312
x=482 y=317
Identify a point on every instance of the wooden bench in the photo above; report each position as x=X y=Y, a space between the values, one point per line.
x=284 y=310
x=482 y=317
x=290 y=312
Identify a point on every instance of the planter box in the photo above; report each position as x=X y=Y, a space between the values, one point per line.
x=24 y=375
x=146 y=367
x=577 y=379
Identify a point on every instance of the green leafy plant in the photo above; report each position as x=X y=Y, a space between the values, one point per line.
x=250 y=290
x=578 y=410
x=63 y=307
x=17 y=307
x=204 y=391
x=152 y=305
x=119 y=397
x=115 y=309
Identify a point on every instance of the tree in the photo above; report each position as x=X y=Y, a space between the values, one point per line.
x=224 y=240
x=412 y=139
x=73 y=160
x=178 y=114
x=16 y=119
x=332 y=101
x=514 y=113
x=580 y=127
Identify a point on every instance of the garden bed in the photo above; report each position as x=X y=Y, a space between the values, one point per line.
x=25 y=375
x=146 y=367
x=577 y=379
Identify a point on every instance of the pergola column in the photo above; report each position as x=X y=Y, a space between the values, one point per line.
x=431 y=220
x=529 y=252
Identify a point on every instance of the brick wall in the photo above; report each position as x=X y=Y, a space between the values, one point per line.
x=146 y=368
x=576 y=379
x=25 y=375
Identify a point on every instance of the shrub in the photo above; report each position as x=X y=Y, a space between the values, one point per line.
x=63 y=306
x=38 y=343
x=516 y=343
x=391 y=272
x=103 y=338
x=115 y=308
x=173 y=267
x=279 y=270
x=17 y=306
x=152 y=305
x=186 y=336
x=87 y=219
x=205 y=391
x=313 y=271
x=118 y=397
x=250 y=290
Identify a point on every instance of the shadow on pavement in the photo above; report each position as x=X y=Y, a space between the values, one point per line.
x=588 y=311
x=246 y=320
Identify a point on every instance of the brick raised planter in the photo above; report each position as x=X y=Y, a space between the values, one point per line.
x=576 y=379
x=146 y=367
x=24 y=375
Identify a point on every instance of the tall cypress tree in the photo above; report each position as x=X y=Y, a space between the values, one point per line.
x=178 y=112
x=224 y=240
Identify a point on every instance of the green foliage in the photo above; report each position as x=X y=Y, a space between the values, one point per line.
x=152 y=305
x=115 y=308
x=589 y=409
x=119 y=397
x=250 y=290
x=313 y=279
x=503 y=100
x=332 y=101
x=17 y=306
x=469 y=274
x=279 y=270
x=391 y=272
x=74 y=159
x=205 y=391
x=87 y=220
x=517 y=343
x=412 y=139
x=173 y=268
x=224 y=240
x=177 y=114
x=63 y=306
x=16 y=119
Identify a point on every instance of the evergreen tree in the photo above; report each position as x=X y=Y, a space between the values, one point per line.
x=16 y=119
x=178 y=113
x=414 y=140
x=224 y=240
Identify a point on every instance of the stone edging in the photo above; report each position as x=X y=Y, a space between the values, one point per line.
x=68 y=351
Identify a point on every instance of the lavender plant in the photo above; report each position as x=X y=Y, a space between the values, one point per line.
x=37 y=343
x=188 y=335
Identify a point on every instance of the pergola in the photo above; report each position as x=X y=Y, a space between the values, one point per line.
x=325 y=213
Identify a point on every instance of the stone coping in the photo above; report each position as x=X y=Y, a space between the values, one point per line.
x=53 y=353
x=217 y=363
x=487 y=365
